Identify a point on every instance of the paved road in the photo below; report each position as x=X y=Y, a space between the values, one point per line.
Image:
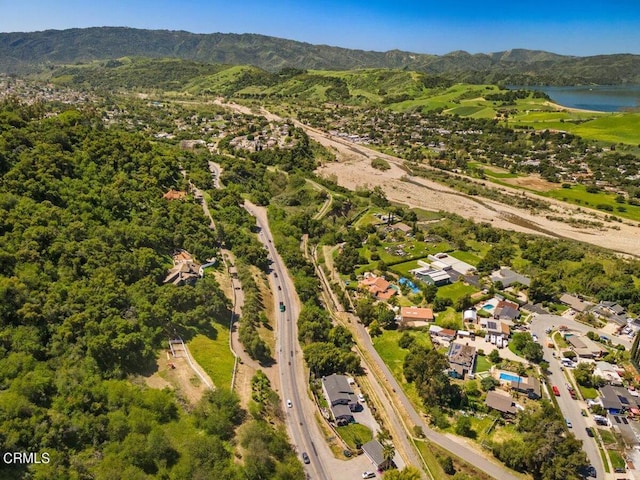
x=570 y=408
x=304 y=431
x=456 y=446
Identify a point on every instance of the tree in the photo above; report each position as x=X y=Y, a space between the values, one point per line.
x=489 y=383
x=388 y=452
x=463 y=427
x=494 y=356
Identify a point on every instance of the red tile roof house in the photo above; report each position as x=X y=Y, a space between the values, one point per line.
x=379 y=287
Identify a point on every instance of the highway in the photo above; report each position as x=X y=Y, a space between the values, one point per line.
x=303 y=429
x=570 y=408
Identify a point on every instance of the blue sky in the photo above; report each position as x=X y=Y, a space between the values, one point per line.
x=564 y=26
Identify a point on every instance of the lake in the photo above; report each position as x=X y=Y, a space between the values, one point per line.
x=602 y=98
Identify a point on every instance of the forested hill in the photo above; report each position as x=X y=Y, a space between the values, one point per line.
x=21 y=52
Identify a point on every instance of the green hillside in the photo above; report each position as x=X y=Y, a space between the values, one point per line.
x=20 y=52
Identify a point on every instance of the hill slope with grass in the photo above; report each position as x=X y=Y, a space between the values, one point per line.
x=21 y=51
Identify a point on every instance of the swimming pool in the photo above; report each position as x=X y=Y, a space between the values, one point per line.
x=510 y=378
x=488 y=307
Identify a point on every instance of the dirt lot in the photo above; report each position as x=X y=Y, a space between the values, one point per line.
x=181 y=378
x=532 y=182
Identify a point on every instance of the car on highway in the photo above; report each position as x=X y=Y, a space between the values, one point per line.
x=368 y=474
x=289 y=404
x=569 y=424
x=589 y=431
x=305 y=458
x=282 y=307
x=279 y=287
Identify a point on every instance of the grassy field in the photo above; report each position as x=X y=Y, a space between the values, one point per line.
x=355 y=434
x=393 y=356
x=468 y=257
x=456 y=291
x=578 y=194
x=214 y=356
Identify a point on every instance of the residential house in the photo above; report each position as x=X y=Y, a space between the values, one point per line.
x=462 y=359
x=528 y=385
x=616 y=400
x=184 y=270
x=574 y=302
x=340 y=397
x=608 y=372
x=495 y=327
x=442 y=333
x=432 y=276
x=506 y=310
x=508 y=277
x=378 y=287
x=375 y=453
x=585 y=347
x=403 y=227
x=611 y=311
x=501 y=402
x=415 y=316
x=462 y=268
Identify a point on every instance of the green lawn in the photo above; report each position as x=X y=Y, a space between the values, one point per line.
x=616 y=459
x=468 y=257
x=482 y=364
x=607 y=437
x=355 y=434
x=214 y=356
x=588 y=392
x=456 y=291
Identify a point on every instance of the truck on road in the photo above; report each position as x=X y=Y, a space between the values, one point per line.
x=282 y=307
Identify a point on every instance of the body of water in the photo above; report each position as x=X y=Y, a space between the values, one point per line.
x=602 y=98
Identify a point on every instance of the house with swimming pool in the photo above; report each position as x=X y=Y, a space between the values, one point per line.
x=530 y=386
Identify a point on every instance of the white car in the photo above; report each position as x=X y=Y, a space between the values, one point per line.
x=289 y=404
x=368 y=474
x=361 y=398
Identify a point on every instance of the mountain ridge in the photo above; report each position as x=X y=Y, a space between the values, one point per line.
x=27 y=51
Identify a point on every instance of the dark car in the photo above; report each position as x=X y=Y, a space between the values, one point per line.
x=347 y=453
x=305 y=458
x=591 y=471
x=589 y=431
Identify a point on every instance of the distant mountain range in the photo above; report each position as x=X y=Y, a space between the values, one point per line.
x=25 y=52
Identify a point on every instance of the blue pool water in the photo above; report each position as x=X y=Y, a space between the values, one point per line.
x=488 y=307
x=410 y=284
x=509 y=378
